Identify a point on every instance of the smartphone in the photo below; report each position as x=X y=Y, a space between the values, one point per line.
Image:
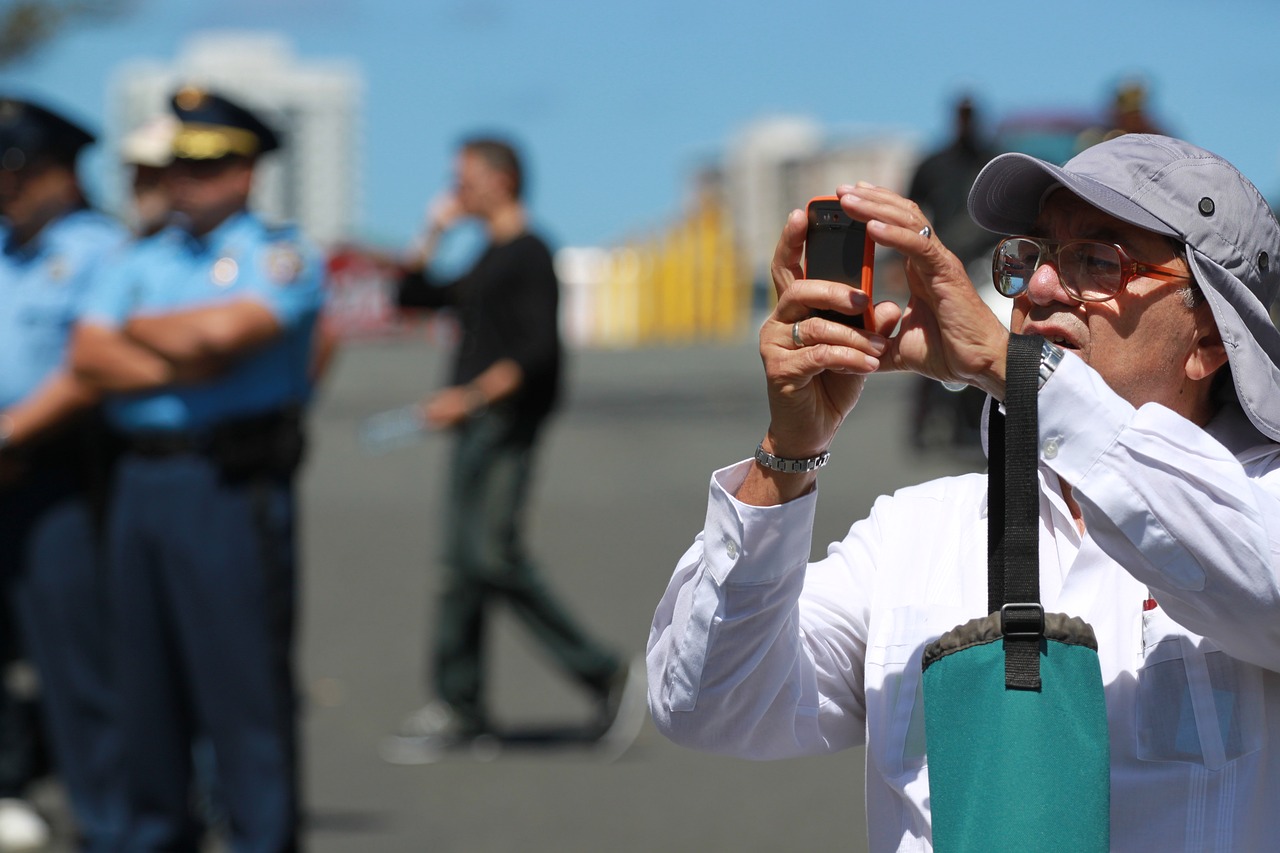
x=837 y=248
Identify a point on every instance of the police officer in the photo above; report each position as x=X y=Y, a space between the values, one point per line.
x=50 y=470
x=201 y=339
x=51 y=245
x=147 y=151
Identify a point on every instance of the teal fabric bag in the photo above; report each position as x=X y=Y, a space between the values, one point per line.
x=1015 y=721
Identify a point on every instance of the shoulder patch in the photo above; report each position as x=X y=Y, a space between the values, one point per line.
x=283 y=262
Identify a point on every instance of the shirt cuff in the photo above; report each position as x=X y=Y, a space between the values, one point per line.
x=745 y=544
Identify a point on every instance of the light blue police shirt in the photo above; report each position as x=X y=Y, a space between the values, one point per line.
x=42 y=287
x=240 y=259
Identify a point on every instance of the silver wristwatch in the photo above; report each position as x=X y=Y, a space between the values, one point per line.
x=1050 y=358
x=791 y=466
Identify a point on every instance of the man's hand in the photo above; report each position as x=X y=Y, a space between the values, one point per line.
x=201 y=342
x=104 y=359
x=947 y=332
x=443 y=213
x=813 y=386
x=451 y=406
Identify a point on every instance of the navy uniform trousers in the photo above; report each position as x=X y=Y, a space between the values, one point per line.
x=50 y=560
x=202 y=601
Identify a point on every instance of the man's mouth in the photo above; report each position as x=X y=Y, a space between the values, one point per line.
x=1059 y=329
x=1059 y=340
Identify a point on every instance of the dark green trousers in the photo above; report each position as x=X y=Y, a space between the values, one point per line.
x=486 y=563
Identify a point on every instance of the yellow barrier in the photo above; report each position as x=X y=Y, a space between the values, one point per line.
x=686 y=285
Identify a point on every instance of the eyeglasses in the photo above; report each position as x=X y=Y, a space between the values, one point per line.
x=1090 y=271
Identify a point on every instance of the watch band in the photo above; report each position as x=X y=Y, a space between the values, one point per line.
x=791 y=466
x=1050 y=358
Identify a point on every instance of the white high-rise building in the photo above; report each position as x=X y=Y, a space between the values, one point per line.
x=313 y=180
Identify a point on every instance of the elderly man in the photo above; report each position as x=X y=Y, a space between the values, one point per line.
x=1147 y=265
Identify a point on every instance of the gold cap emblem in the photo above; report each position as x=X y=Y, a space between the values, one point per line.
x=189 y=97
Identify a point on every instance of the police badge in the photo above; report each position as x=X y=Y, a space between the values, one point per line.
x=224 y=272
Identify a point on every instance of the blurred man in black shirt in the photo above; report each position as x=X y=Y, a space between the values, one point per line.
x=505 y=381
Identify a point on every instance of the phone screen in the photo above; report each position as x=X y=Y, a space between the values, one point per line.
x=837 y=249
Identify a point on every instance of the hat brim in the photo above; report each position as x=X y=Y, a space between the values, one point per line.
x=1011 y=190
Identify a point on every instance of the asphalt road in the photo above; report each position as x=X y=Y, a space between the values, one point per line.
x=620 y=493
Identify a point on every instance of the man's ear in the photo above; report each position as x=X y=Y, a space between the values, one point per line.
x=1207 y=354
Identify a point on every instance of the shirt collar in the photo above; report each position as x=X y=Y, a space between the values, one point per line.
x=37 y=244
x=219 y=236
x=1230 y=427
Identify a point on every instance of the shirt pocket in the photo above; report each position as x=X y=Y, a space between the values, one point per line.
x=1196 y=704
x=46 y=328
x=895 y=705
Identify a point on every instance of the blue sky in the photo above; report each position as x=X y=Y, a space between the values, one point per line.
x=616 y=104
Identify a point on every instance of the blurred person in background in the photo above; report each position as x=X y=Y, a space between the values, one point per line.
x=201 y=339
x=147 y=151
x=940 y=185
x=1130 y=110
x=52 y=477
x=505 y=382
x=941 y=182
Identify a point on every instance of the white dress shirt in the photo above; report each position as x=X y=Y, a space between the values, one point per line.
x=755 y=653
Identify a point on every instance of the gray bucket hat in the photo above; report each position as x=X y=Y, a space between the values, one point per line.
x=1177 y=189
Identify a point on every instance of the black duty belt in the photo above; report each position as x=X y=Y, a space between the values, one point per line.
x=217 y=439
x=268 y=444
x=157 y=445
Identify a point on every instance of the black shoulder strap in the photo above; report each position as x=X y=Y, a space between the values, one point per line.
x=1013 y=510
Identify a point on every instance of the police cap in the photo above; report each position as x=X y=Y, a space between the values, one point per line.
x=28 y=131
x=211 y=127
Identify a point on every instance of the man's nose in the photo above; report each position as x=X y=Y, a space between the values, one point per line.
x=1046 y=286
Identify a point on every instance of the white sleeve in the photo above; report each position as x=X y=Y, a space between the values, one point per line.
x=753 y=653
x=1174 y=507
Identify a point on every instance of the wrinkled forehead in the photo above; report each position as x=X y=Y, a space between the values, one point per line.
x=1066 y=216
